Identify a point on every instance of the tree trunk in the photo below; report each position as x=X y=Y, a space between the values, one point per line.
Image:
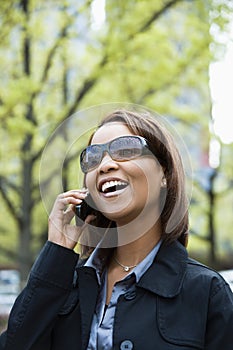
x=211 y=222
x=24 y=254
x=25 y=229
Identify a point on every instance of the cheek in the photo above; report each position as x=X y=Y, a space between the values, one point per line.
x=150 y=183
x=148 y=176
x=90 y=181
x=149 y=173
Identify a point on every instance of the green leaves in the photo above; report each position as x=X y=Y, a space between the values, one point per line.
x=54 y=63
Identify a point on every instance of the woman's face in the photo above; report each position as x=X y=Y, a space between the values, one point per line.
x=137 y=182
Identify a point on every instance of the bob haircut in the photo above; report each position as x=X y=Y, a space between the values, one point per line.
x=174 y=215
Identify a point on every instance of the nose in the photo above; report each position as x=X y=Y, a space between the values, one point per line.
x=107 y=164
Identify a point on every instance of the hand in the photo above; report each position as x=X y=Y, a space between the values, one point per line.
x=61 y=231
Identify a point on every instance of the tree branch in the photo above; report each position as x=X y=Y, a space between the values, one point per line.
x=90 y=82
x=7 y=200
x=52 y=53
x=61 y=35
x=181 y=69
x=154 y=17
x=93 y=78
x=197 y=235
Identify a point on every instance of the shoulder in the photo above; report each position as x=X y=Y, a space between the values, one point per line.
x=205 y=277
x=195 y=267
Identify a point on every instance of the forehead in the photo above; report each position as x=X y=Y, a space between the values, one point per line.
x=110 y=131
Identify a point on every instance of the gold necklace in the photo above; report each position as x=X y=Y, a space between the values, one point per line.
x=125 y=267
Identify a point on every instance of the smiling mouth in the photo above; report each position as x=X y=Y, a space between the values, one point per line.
x=113 y=186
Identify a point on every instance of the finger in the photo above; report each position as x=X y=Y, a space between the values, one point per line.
x=69 y=214
x=90 y=218
x=77 y=193
x=65 y=199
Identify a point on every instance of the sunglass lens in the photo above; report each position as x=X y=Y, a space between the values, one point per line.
x=90 y=158
x=126 y=148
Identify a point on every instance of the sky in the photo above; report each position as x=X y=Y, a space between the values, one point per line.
x=221 y=86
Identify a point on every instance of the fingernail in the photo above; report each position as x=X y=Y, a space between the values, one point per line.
x=78 y=201
x=84 y=189
x=83 y=195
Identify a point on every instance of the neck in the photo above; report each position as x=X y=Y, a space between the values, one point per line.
x=134 y=252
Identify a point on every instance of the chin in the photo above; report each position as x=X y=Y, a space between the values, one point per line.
x=122 y=217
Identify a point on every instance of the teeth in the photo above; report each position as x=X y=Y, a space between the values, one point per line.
x=109 y=184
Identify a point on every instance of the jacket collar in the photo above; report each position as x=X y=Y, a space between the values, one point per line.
x=164 y=277
x=166 y=274
x=88 y=292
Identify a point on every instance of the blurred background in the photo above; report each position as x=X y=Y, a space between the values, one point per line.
x=60 y=57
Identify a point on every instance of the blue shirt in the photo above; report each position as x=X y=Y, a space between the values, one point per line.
x=103 y=320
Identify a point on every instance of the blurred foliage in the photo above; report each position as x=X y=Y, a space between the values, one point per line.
x=56 y=59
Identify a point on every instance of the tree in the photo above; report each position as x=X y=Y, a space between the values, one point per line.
x=54 y=63
x=211 y=203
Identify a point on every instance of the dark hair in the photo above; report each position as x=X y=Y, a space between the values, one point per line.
x=174 y=215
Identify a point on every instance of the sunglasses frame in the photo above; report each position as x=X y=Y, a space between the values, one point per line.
x=105 y=148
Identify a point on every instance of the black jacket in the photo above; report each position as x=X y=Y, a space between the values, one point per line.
x=178 y=304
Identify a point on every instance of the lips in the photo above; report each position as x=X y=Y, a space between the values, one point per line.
x=112 y=185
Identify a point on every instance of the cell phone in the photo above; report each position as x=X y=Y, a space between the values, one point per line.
x=87 y=207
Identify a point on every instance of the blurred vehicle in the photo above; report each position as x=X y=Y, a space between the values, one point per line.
x=228 y=276
x=9 y=289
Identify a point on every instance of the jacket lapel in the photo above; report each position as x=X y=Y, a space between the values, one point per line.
x=166 y=274
x=88 y=292
x=164 y=277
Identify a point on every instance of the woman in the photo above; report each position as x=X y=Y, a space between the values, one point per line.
x=137 y=289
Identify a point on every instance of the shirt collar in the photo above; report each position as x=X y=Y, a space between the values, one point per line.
x=166 y=274
x=141 y=268
x=99 y=257
x=98 y=260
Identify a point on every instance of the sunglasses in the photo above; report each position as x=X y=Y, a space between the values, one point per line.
x=120 y=149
